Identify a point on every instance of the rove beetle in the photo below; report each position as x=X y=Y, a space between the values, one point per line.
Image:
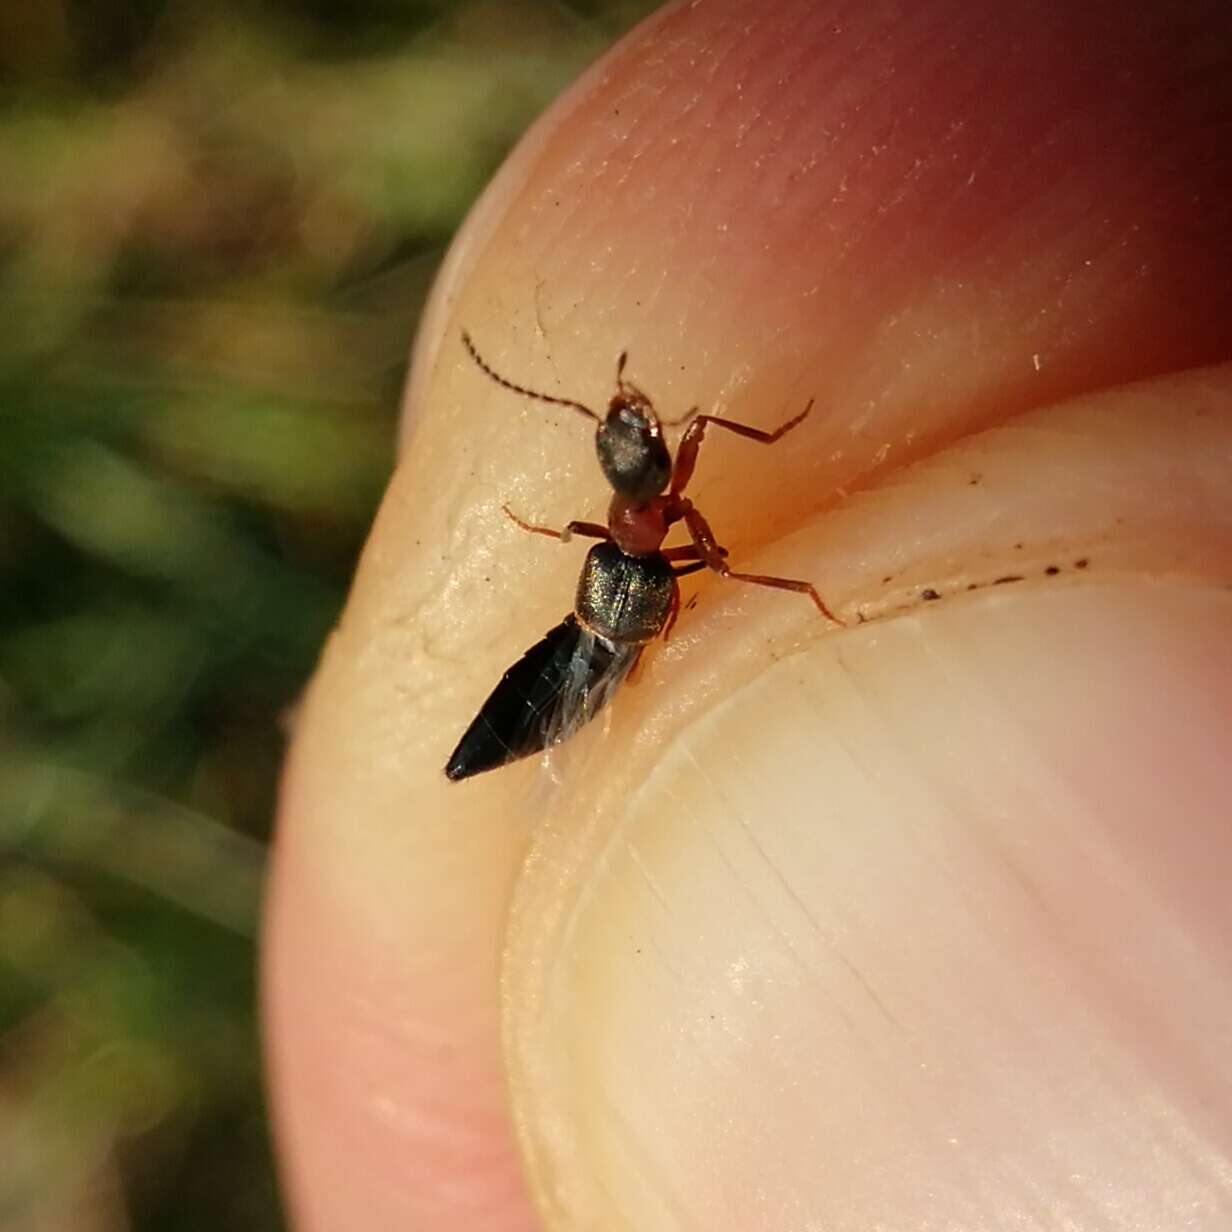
x=627 y=594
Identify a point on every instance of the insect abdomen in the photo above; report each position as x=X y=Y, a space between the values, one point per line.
x=521 y=715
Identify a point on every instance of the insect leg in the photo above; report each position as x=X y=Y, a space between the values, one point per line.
x=635 y=671
x=684 y=570
x=591 y=529
x=683 y=419
x=674 y=610
x=713 y=557
x=687 y=551
x=690 y=443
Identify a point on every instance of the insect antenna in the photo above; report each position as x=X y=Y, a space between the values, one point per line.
x=627 y=388
x=522 y=389
x=682 y=419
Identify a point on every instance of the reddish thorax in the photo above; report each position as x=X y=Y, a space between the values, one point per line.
x=639 y=528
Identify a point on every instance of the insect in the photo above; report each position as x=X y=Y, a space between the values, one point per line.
x=628 y=592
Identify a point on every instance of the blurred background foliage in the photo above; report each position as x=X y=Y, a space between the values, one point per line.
x=218 y=222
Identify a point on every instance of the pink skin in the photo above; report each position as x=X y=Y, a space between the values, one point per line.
x=960 y=959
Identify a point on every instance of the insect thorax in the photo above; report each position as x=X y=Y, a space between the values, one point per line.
x=625 y=599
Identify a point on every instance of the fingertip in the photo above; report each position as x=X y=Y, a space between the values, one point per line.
x=750 y=245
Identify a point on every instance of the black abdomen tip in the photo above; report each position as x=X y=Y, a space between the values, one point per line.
x=521 y=716
x=456 y=768
x=481 y=748
x=514 y=721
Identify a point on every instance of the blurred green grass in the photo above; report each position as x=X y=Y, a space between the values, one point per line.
x=218 y=223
